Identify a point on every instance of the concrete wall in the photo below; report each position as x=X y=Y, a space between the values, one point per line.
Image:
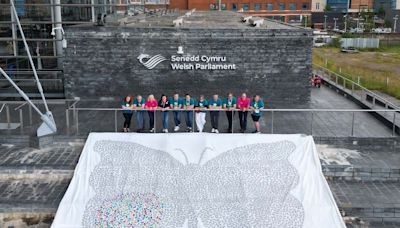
x=102 y=62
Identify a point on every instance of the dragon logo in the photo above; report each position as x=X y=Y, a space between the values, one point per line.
x=150 y=62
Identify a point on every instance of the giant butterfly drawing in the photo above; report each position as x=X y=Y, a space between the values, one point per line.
x=249 y=186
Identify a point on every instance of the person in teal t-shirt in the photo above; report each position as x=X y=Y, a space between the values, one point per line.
x=255 y=106
x=176 y=103
x=138 y=103
x=214 y=103
x=188 y=104
x=229 y=105
x=127 y=111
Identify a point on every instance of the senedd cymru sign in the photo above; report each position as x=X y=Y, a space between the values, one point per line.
x=193 y=62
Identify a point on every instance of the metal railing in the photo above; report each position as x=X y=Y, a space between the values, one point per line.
x=311 y=112
x=356 y=90
x=308 y=121
x=9 y=109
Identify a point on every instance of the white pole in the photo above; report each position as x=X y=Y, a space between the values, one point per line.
x=59 y=35
x=14 y=32
x=93 y=13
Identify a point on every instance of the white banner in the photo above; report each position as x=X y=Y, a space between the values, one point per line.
x=198 y=180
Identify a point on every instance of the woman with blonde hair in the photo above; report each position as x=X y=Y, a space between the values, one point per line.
x=151 y=105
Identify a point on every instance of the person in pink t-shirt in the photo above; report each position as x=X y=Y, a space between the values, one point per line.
x=243 y=104
x=151 y=105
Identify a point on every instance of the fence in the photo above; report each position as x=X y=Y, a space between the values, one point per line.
x=287 y=121
x=355 y=89
x=360 y=42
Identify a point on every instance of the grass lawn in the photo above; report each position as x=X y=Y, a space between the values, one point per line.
x=377 y=69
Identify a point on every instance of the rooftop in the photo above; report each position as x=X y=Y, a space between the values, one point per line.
x=194 y=19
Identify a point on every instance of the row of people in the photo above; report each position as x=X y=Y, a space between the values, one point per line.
x=201 y=106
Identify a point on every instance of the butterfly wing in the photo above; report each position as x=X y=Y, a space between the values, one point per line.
x=135 y=186
x=249 y=186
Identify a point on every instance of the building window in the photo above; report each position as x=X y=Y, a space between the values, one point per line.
x=292 y=6
x=304 y=6
x=234 y=7
x=317 y=5
x=281 y=6
x=257 y=6
x=245 y=6
x=270 y=6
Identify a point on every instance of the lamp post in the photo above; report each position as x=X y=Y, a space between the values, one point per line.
x=345 y=22
x=395 y=23
x=325 y=17
x=335 y=19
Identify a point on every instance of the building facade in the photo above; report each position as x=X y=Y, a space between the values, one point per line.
x=285 y=10
x=273 y=61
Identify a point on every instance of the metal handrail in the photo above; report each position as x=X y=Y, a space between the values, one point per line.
x=75 y=112
x=263 y=110
x=359 y=85
x=50 y=101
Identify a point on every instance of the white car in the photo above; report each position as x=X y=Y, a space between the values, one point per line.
x=382 y=30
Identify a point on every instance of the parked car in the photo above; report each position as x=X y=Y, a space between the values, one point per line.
x=356 y=30
x=349 y=50
x=382 y=30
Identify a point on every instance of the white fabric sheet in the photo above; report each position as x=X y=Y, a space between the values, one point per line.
x=198 y=180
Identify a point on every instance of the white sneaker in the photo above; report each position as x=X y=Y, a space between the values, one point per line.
x=176 y=128
x=213 y=130
x=216 y=131
x=152 y=130
x=166 y=130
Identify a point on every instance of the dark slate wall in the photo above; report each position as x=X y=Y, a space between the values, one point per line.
x=102 y=62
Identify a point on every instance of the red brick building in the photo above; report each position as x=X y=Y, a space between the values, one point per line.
x=286 y=9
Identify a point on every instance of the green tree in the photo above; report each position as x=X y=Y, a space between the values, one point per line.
x=328 y=8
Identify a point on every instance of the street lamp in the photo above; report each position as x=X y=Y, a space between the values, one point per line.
x=345 y=22
x=325 y=16
x=335 y=19
x=395 y=22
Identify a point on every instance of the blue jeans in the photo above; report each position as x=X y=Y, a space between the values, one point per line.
x=164 y=116
x=189 y=118
x=151 y=117
x=140 y=119
x=177 y=118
